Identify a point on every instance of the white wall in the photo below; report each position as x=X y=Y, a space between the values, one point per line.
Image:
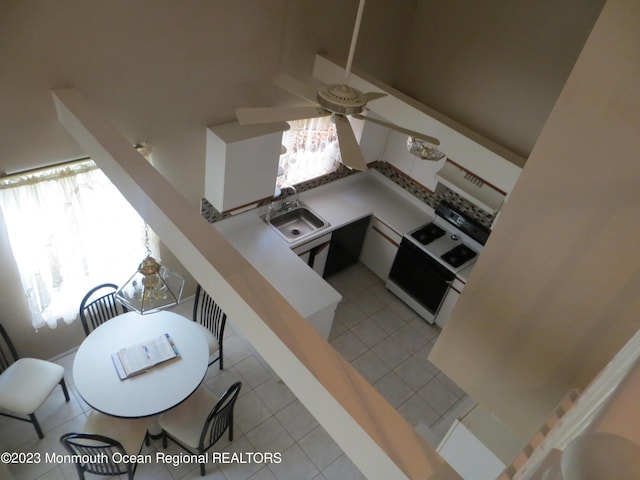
x=554 y=294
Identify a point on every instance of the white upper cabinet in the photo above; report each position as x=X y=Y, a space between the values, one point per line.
x=242 y=163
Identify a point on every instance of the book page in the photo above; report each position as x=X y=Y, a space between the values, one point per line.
x=160 y=349
x=142 y=356
x=134 y=359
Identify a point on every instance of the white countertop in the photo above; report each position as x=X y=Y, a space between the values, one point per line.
x=370 y=193
x=340 y=203
x=271 y=255
x=357 y=196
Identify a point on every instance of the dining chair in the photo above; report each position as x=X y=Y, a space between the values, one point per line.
x=200 y=421
x=25 y=383
x=103 y=441
x=212 y=320
x=98 y=306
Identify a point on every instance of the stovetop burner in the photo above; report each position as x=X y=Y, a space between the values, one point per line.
x=428 y=233
x=458 y=255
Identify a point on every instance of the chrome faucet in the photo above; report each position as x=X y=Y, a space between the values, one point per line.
x=288 y=204
x=285 y=205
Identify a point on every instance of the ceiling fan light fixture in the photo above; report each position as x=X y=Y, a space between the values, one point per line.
x=424 y=149
x=342 y=99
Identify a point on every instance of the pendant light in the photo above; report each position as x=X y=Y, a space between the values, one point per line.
x=152 y=287
x=423 y=149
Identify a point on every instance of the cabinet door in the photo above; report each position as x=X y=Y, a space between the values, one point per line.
x=314 y=252
x=346 y=245
x=469 y=456
x=380 y=248
x=241 y=163
x=320 y=255
x=305 y=257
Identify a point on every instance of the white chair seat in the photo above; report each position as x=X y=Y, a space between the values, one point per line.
x=212 y=342
x=27 y=383
x=185 y=421
x=130 y=432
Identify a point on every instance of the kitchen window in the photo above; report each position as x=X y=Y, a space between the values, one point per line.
x=69 y=229
x=312 y=150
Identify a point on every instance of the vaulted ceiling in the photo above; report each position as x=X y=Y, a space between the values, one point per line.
x=162 y=71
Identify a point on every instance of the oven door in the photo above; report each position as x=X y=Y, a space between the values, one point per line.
x=418 y=279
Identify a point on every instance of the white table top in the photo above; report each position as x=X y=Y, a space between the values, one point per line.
x=152 y=392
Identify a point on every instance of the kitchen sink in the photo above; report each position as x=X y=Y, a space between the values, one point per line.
x=297 y=223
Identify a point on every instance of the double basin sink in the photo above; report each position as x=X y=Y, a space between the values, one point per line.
x=296 y=223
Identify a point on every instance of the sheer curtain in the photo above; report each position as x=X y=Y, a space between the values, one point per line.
x=312 y=150
x=70 y=229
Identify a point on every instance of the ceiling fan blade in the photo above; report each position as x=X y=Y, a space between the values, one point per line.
x=411 y=133
x=374 y=96
x=295 y=86
x=349 y=149
x=251 y=116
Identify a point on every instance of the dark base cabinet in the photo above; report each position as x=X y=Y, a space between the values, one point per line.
x=346 y=244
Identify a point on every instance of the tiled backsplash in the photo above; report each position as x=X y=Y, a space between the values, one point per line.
x=407 y=183
x=433 y=199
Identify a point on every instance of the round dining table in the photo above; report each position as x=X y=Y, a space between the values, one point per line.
x=154 y=391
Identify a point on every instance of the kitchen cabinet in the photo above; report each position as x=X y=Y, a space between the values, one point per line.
x=346 y=245
x=241 y=163
x=468 y=455
x=315 y=252
x=380 y=246
x=478 y=445
x=455 y=289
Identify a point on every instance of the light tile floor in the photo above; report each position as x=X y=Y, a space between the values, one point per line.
x=382 y=338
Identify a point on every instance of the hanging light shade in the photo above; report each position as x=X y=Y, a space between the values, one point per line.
x=152 y=287
x=424 y=149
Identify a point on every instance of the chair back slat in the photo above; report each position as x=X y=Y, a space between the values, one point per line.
x=220 y=418
x=8 y=353
x=209 y=314
x=95 y=454
x=95 y=310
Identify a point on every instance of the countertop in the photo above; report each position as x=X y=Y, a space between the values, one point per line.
x=370 y=193
x=340 y=203
x=271 y=255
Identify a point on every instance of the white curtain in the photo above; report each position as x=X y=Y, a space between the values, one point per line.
x=70 y=229
x=312 y=150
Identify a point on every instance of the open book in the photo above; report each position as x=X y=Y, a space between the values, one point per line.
x=140 y=357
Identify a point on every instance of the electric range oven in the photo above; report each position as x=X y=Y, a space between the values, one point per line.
x=430 y=256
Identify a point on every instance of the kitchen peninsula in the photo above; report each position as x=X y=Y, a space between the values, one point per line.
x=340 y=202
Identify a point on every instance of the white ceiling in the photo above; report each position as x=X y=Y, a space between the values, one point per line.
x=164 y=70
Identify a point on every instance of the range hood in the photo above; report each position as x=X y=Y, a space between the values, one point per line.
x=471 y=187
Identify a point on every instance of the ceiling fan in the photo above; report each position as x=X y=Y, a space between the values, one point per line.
x=338 y=101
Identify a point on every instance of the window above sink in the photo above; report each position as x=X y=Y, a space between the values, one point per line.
x=311 y=151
